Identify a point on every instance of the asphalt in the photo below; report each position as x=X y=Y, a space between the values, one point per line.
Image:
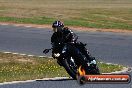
x=105 y=46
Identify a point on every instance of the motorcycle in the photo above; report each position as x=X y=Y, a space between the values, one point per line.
x=71 y=58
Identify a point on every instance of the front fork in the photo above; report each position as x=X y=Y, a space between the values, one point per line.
x=62 y=56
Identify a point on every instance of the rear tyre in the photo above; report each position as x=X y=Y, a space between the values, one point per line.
x=72 y=68
x=94 y=70
x=81 y=80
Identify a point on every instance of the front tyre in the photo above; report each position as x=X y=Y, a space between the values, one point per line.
x=70 y=67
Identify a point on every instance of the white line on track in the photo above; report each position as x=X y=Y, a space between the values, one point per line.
x=30 y=55
x=7 y=52
x=15 y=82
x=55 y=78
x=14 y=53
x=42 y=56
x=22 y=54
x=44 y=79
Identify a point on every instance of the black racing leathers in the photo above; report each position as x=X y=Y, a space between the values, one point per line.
x=65 y=36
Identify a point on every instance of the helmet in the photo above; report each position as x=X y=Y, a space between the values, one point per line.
x=57 y=24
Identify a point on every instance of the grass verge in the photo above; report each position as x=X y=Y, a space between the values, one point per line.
x=111 y=14
x=17 y=67
x=72 y=22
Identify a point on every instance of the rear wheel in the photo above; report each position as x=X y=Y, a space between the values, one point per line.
x=72 y=68
x=93 y=69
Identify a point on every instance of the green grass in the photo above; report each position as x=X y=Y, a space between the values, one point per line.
x=107 y=68
x=114 y=14
x=42 y=20
x=16 y=67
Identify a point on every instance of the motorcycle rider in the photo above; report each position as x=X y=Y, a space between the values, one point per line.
x=64 y=35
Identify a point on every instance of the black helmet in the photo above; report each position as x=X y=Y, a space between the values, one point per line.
x=57 y=24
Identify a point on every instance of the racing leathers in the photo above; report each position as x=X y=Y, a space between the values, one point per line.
x=67 y=36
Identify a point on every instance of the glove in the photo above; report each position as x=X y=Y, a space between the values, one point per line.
x=46 y=51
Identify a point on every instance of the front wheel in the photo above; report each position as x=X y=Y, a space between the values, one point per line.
x=70 y=67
